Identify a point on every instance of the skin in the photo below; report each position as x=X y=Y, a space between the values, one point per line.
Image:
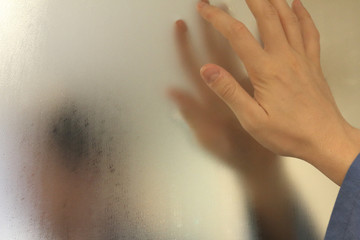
x=291 y=111
x=69 y=176
x=219 y=131
x=67 y=198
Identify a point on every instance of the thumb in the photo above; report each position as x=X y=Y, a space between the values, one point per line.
x=246 y=108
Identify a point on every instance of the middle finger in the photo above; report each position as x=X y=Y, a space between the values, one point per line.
x=270 y=27
x=291 y=24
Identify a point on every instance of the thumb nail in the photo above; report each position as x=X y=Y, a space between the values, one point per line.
x=210 y=74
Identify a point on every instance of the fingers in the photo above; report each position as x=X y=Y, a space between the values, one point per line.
x=211 y=40
x=242 y=41
x=290 y=23
x=248 y=111
x=310 y=33
x=190 y=62
x=220 y=51
x=218 y=47
x=190 y=108
x=269 y=24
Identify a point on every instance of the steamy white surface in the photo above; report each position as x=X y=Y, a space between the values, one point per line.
x=117 y=58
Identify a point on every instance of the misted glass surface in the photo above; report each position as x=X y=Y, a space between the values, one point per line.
x=93 y=147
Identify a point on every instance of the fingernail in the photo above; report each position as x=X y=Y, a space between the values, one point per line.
x=181 y=25
x=210 y=74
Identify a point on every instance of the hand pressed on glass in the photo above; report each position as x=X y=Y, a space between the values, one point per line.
x=212 y=121
x=220 y=132
x=292 y=111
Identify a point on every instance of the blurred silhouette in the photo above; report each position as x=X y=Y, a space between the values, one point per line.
x=70 y=174
x=271 y=201
x=76 y=160
x=77 y=157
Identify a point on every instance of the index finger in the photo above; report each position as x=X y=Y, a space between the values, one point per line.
x=189 y=60
x=240 y=38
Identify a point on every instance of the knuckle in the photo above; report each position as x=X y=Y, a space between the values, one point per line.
x=237 y=28
x=269 y=70
x=228 y=90
x=292 y=19
x=305 y=17
x=294 y=64
x=292 y=60
x=211 y=13
x=270 y=12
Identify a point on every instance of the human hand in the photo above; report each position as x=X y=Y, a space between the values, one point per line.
x=214 y=124
x=220 y=132
x=291 y=111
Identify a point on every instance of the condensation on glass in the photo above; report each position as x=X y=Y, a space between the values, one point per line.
x=91 y=147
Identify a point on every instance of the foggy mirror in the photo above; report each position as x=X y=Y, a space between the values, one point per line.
x=108 y=132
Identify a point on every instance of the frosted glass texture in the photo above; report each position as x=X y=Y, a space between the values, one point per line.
x=91 y=146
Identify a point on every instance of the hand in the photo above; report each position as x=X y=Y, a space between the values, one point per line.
x=291 y=111
x=212 y=121
x=220 y=132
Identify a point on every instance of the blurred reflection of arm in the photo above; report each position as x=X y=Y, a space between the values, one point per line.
x=219 y=131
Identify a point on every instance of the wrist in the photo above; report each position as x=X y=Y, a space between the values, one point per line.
x=337 y=152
